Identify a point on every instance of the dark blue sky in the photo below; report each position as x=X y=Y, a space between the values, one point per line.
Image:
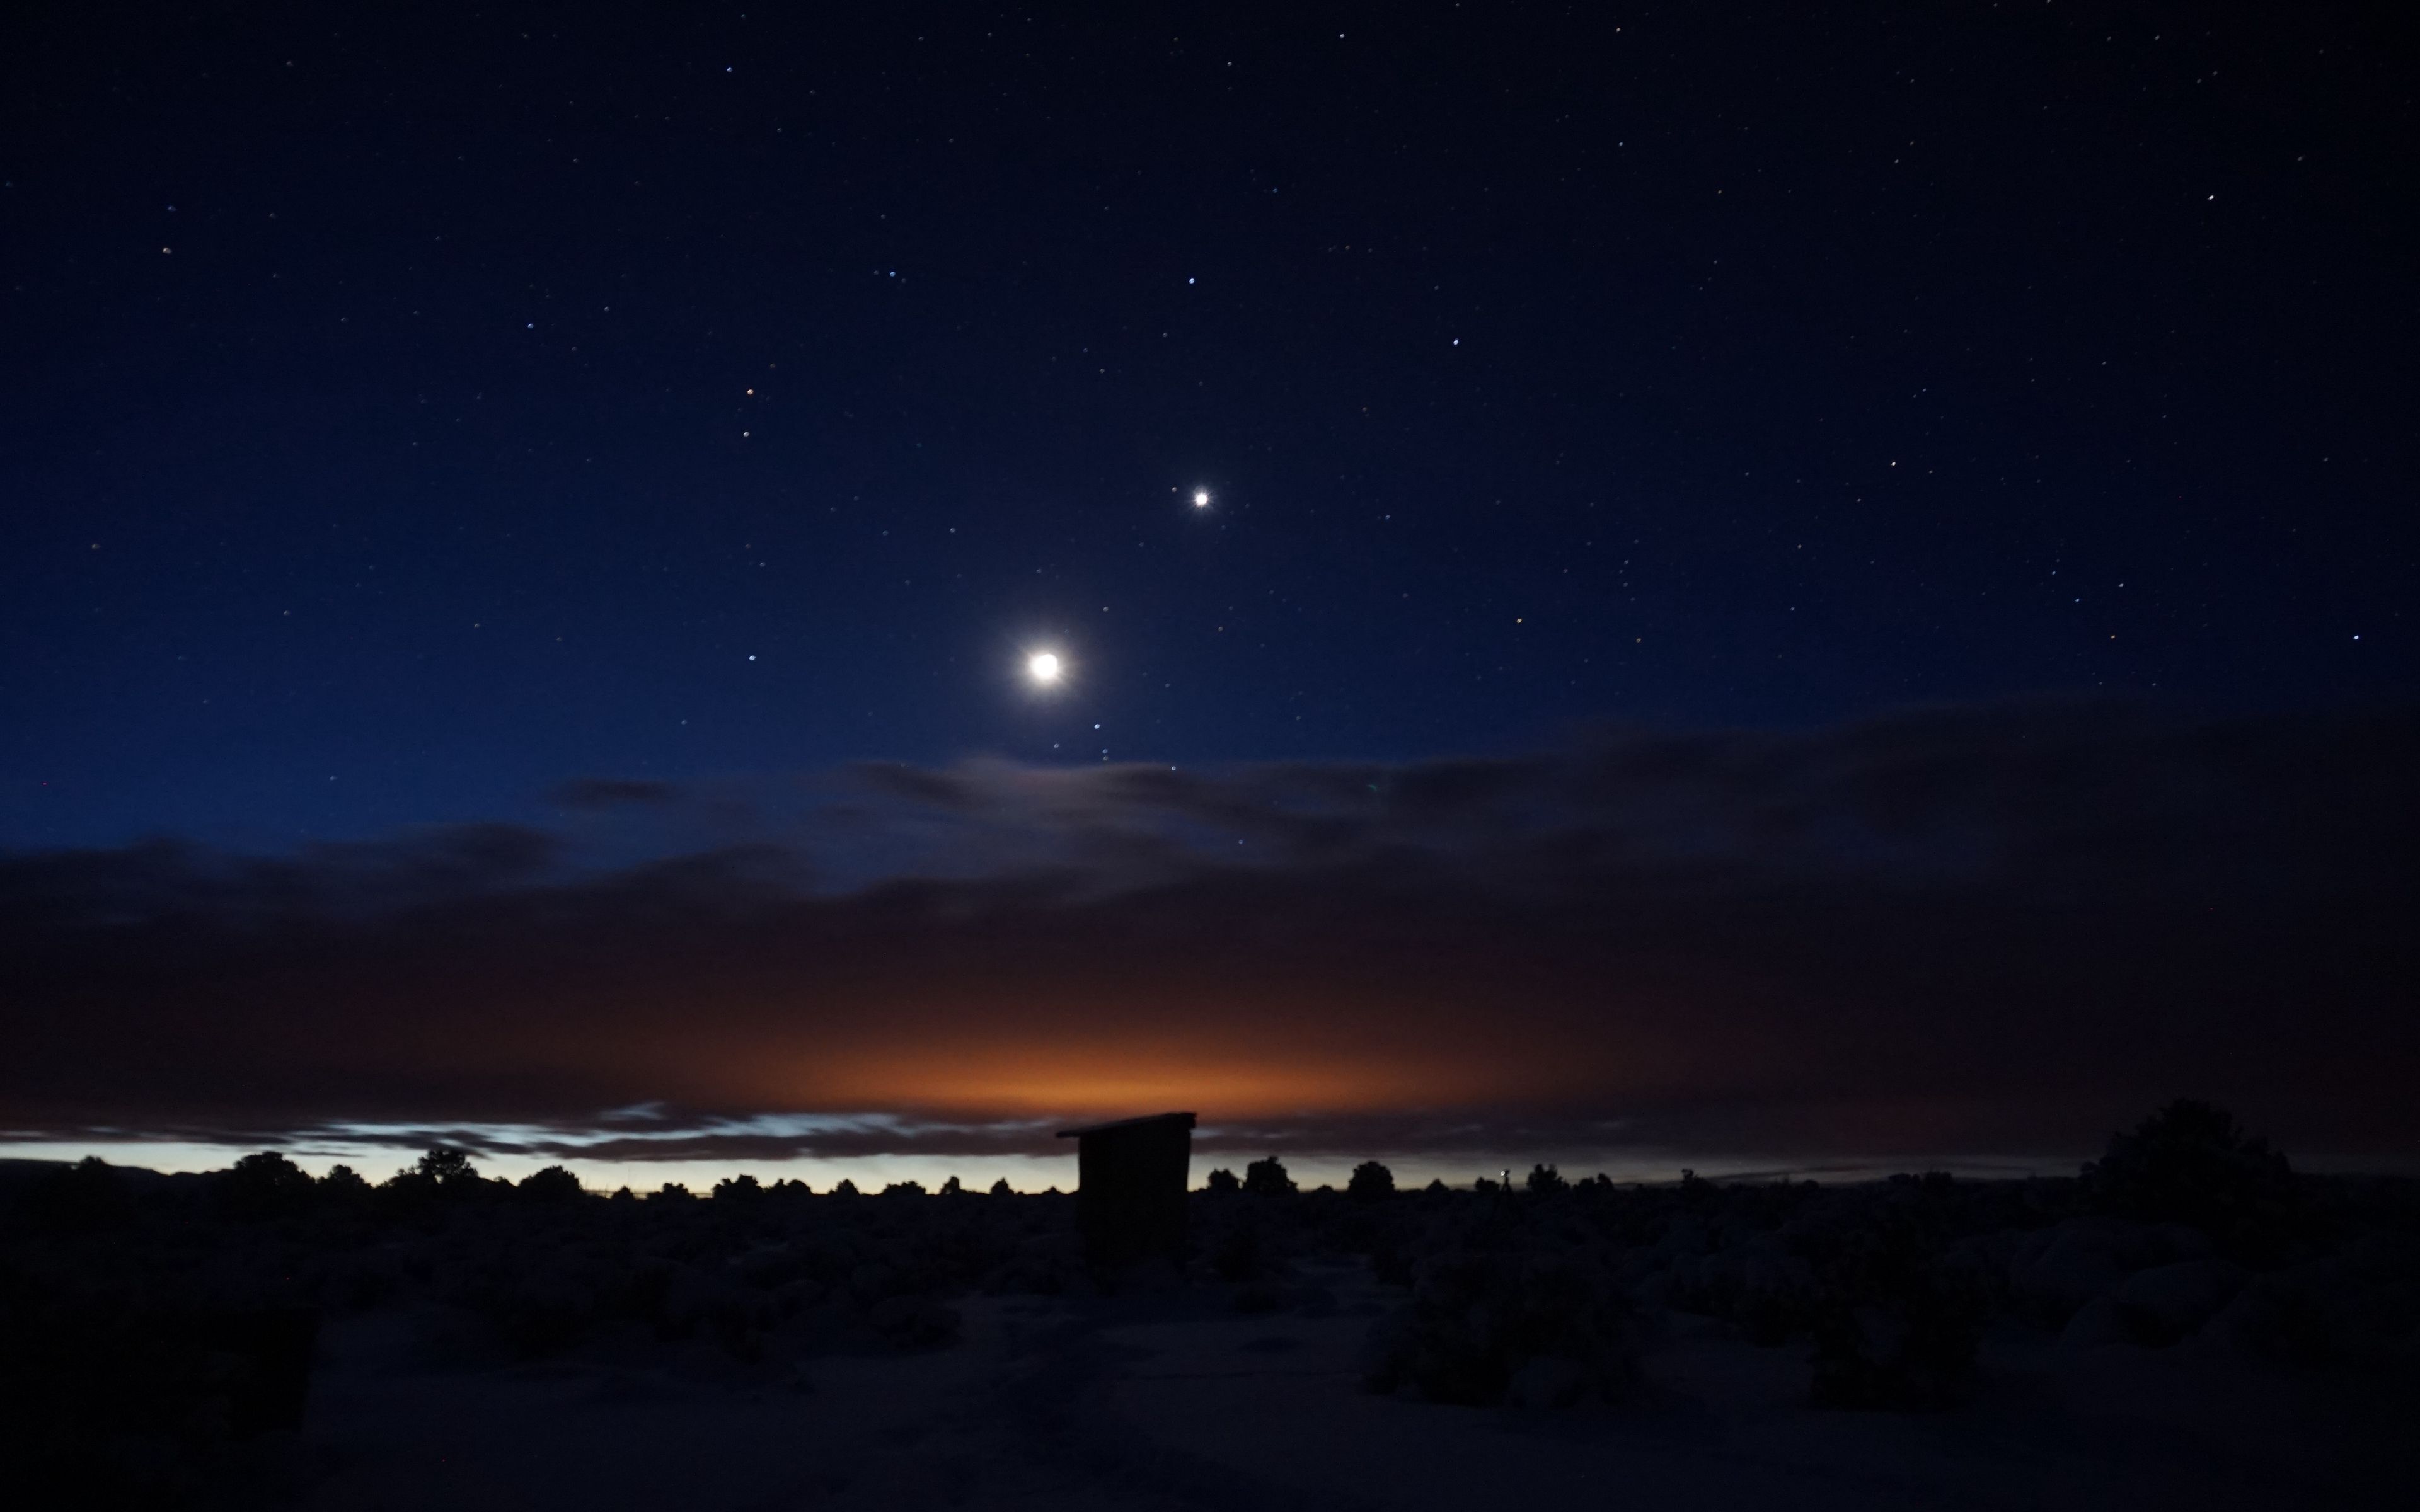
x=403 y=414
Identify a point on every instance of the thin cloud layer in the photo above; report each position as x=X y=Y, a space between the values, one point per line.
x=1962 y=930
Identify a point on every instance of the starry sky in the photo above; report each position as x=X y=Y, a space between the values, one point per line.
x=533 y=445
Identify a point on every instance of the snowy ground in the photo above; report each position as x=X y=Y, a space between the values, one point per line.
x=1177 y=1401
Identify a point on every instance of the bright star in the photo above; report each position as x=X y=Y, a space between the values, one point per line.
x=1201 y=498
x=1042 y=667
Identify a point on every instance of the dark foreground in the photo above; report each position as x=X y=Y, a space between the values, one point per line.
x=1919 y=1343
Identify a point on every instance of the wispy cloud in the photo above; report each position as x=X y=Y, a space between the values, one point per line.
x=1973 y=928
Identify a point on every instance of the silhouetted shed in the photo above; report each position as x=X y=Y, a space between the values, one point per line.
x=1130 y=1181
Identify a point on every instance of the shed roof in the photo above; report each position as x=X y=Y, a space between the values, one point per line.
x=1125 y=1123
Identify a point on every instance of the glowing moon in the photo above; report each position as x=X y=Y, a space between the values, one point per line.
x=1201 y=498
x=1042 y=667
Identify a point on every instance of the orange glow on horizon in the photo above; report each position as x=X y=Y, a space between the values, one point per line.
x=1067 y=1074
x=1107 y=1049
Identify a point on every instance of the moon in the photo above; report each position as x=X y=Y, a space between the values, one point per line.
x=1042 y=667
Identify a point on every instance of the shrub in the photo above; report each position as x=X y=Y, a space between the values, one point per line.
x=1894 y=1327
x=449 y=1171
x=85 y=1196
x=1545 y=1180
x=1223 y=1181
x=1237 y=1253
x=1371 y=1180
x=1268 y=1178
x=2191 y=1164
x=1480 y=1319
x=552 y=1184
x=266 y=1185
x=1912 y=1351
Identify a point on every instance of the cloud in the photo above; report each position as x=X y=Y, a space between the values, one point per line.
x=1970 y=929
x=2069 y=798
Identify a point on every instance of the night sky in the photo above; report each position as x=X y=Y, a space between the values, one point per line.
x=525 y=531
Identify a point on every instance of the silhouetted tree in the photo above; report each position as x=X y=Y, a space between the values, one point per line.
x=844 y=1188
x=740 y=1188
x=449 y=1170
x=903 y=1189
x=1268 y=1178
x=1223 y=1181
x=264 y=1185
x=343 y=1184
x=2191 y=1163
x=1545 y=1180
x=1002 y=1189
x=952 y=1188
x=674 y=1191
x=87 y=1195
x=552 y=1184
x=1371 y=1182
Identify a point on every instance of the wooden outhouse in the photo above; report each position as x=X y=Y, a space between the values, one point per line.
x=1130 y=1183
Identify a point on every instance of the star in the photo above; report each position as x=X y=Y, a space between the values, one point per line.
x=1043 y=667
x=1201 y=498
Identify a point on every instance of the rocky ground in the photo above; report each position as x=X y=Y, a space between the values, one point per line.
x=1922 y=1342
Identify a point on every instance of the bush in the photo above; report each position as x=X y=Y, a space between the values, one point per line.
x=552 y=1184
x=1481 y=1320
x=447 y=1172
x=266 y=1185
x=1545 y=1180
x=1371 y=1180
x=1912 y=1351
x=87 y=1196
x=1223 y=1181
x=1894 y=1326
x=1268 y=1178
x=2191 y=1164
x=1238 y=1251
